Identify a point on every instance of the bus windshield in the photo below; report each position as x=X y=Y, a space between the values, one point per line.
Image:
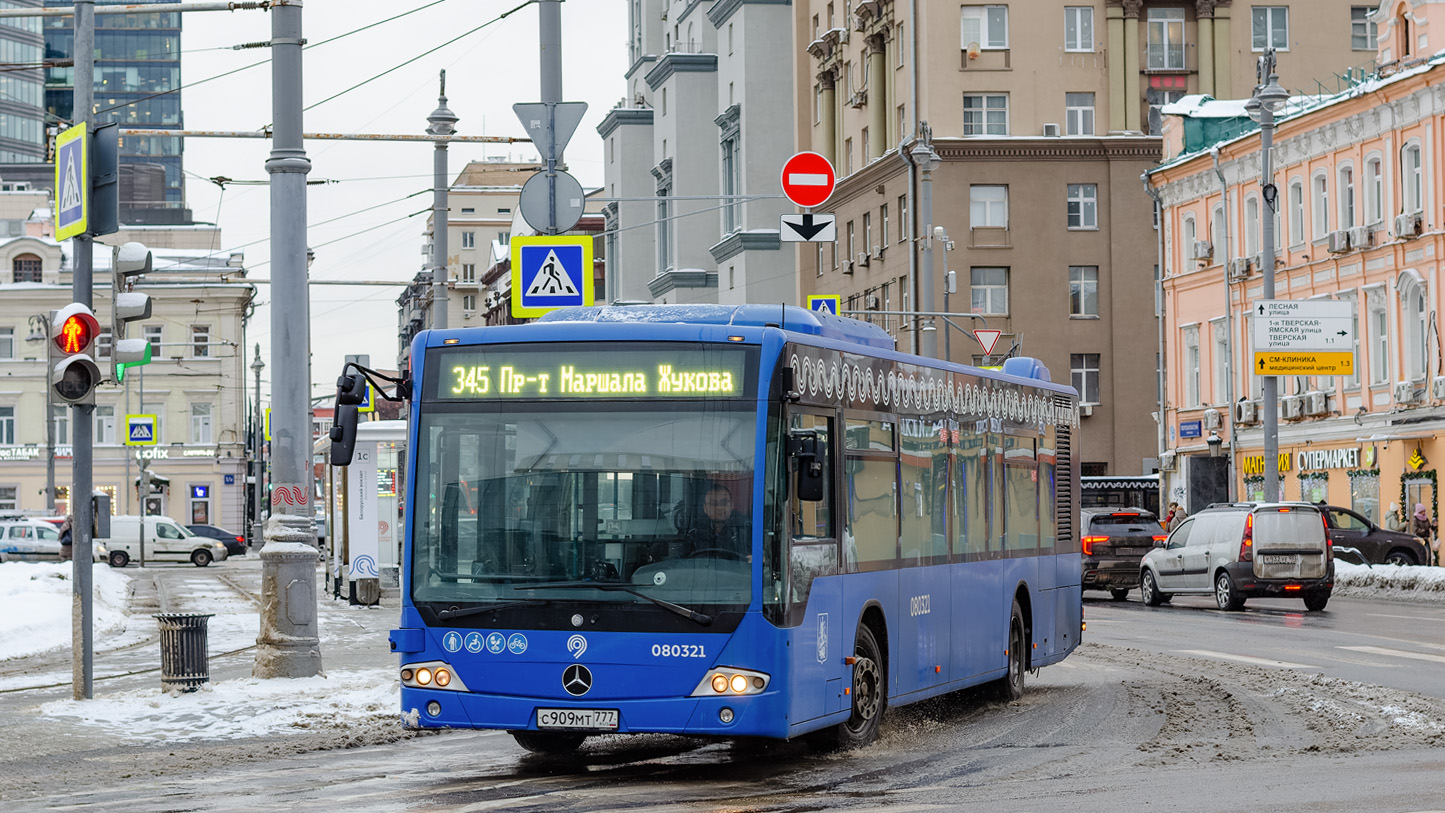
x=530 y=503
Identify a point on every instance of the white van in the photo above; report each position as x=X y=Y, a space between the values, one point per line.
x=165 y=541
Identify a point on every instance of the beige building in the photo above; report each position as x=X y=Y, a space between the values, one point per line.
x=195 y=385
x=1039 y=113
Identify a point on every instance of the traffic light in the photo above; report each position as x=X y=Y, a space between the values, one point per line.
x=128 y=261
x=104 y=179
x=350 y=392
x=73 y=373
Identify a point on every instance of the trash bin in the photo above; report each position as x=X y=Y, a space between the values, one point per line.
x=183 y=651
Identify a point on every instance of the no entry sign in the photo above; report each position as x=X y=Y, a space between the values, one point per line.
x=808 y=179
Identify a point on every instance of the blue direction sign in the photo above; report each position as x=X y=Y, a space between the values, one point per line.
x=72 y=183
x=140 y=430
x=827 y=303
x=550 y=273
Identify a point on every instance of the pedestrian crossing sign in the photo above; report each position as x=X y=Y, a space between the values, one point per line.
x=550 y=273
x=72 y=183
x=140 y=430
x=824 y=303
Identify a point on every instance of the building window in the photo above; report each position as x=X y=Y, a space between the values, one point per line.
x=988 y=288
x=985 y=114
x=1191 y=366
x=1414 y=332
x=850 y=245
x=1296 y=213
x=1363 y=33
x=469 y=272
x=1085 y=369
x=153 y=335
x=1352 y=381
x=7 y=342
x=26 y=268
x=902 y=218
x=469 y=239
x=7 y=426
x=1083 y=206
x=1079 y=113
x=1165 y=35
x=1221 y=361
x=883 y=224
x=9 y=498
x=988 y=207
x=1320 y=206
x=1379 y=339
x=105 y=425
x=1216 y=234
x=867 y=232
x=1269 y=28
x=1251 y=227
x=1083 y=290
x=1410 y=163
x=504 y=237
x=987 y=26
x=1078 y=28
x=664 y=231
x=103 y=344
x=847 y=156
x=1191 y=234
x=731 y=172
x=1374 y=192
x=200 y=423
x=200 y=341
x=469 y=303
x=1347 y=197
x=60 y=419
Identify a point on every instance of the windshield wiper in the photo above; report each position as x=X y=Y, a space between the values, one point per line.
x=457 y=612
x=692 y=615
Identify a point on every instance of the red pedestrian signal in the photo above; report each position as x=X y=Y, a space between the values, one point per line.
x=77 y=332
x=73 y=373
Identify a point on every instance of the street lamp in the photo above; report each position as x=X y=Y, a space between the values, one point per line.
x=1268 y=97
x=40 y=332
x=259 y=467
x=442 y=123
x=927 y=161
x=1215 y=444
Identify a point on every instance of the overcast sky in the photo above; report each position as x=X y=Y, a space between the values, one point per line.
x=487 y=72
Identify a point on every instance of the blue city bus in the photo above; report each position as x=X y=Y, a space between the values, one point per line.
x=732 y=521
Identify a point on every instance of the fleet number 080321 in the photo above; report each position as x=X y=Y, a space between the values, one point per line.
x=677 y=651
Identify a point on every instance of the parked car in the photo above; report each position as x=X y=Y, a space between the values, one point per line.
x=1240 y=550
x=235 y=543
x=32 y=539
x=165 y=541
x=1356 y=537
x=1114 y=540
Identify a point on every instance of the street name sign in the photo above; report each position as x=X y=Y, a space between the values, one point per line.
x=550 y=273
x=809 y=228
x=1303 y=337
x=808 y=179
x=824 y=303
x=72 y=183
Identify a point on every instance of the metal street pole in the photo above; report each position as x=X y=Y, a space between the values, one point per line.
x=442 y=122
x=1267 y=98
x=927 y=161
x=550 y=40
x=81 y=476
x=258 y=441
x=289 y=643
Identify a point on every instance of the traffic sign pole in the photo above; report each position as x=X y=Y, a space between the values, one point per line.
x=81 y=477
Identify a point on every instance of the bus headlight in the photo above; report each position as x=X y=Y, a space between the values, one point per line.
x=432 y=675
x=727 y=680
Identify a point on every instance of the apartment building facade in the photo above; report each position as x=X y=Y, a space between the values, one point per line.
x=1038 y=113
x=1361 y=220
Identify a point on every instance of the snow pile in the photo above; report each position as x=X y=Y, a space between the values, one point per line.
x=36 y=599
x=247 y=707
x=1424 y=582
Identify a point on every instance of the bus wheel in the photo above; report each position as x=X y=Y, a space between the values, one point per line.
x=1010 y=687
x=869 y=694
x=548 y=742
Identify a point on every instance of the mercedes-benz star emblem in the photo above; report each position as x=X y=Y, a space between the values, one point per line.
x=577 y=680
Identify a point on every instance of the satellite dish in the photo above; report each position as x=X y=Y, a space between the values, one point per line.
x=974 y=50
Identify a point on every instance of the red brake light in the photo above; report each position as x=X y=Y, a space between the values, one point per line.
x=1246 y=547
x=1090 y=541
x=1159 y=538
x=1125 y=515
x=240 y=539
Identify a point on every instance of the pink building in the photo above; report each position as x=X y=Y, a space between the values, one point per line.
x=1360 y=217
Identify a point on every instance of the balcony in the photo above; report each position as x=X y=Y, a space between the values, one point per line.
x=1165 y=58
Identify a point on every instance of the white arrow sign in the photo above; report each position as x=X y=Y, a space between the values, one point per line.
x=1319 y=324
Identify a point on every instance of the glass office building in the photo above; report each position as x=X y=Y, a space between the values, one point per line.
x=22 y=115
x=138 y=59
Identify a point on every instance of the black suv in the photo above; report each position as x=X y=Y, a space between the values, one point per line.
x=1114 y=540
x=1355 y=537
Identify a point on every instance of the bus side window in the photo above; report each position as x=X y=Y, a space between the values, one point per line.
x=813 y=520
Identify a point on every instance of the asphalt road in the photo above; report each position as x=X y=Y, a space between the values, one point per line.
x=1180 y=708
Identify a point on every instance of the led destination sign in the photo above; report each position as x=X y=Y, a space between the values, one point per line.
x=588 y=371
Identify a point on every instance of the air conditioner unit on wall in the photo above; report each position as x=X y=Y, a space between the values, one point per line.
x=1051 y=130
x=1246 y=412
x=1338 y=242
x=1361 y=237
x=1211 y=419
x=1166 y=460
x=878 y=250
x=871 y=302
x=1086 y=410
x=1293 y=407
x=1238 y=268
x=1437 y=387
x=1203 y=250
x=847 y=266
x=1408 y=225
x=1405 y=392
x=863 y=259
x=1316 y=403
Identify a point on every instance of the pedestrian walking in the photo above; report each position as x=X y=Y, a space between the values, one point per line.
x=1175 y=517
x=1422 y=526
x=66 y=537
x=1393 y=520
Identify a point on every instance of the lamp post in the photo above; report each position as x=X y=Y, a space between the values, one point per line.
x=40 y=332
x=1215 y=444
x=258 y=466
x=1268 y=97
x=441 y=122
x=927 y=161
x=949 y=286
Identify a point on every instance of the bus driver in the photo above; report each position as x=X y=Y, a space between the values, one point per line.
x=718 y=531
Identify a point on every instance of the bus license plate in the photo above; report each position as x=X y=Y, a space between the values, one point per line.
x=586 y=719
x=1279 y=559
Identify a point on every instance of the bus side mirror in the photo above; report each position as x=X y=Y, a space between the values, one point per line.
x=350 y=393
x=808 y=452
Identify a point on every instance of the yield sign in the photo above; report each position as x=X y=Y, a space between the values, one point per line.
x=987 y=339
x=808 y=179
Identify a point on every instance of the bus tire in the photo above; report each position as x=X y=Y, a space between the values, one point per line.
x=869 y=693
x=549 y=742
x=1010 y=687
